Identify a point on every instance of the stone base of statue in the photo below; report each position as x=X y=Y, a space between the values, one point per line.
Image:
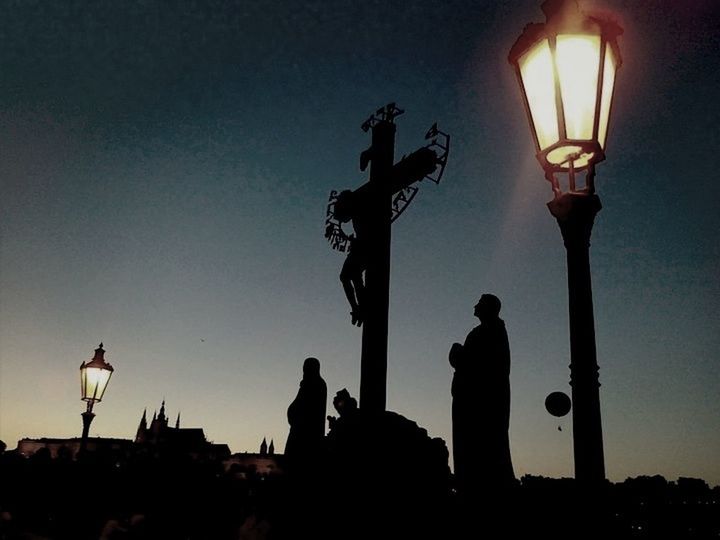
x=386 y=478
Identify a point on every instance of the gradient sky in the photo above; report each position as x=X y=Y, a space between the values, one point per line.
x=164 y=172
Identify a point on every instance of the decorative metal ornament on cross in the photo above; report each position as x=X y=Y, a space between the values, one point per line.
x=433 y=155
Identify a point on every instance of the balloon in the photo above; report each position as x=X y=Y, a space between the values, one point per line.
x=558 y=403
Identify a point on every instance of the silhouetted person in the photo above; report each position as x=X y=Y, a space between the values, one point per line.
x=349 y=206
x=345 y=405
x=306 y=415
x=481 y=404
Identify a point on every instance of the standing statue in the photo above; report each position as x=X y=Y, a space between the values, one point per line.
x=481 y=404
x=306 y=415
x=304 y=455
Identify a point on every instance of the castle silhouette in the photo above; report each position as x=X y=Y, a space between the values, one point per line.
x=160 y=439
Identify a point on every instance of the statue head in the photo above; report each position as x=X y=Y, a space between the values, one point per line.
x=343 y=209
x=488 y=307
x=311 y=367
x=344 y=403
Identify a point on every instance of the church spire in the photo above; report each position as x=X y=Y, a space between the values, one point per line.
x=271 y=449
x=142 y=428
x=161 y=416
x=263 y=447
x=177 y=422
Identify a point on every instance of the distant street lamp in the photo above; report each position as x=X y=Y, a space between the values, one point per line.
x=566 y=70
x=94 y=377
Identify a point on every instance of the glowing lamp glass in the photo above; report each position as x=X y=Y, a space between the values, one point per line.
x=536 y=70
x=567 y=80
x=94 y=381
x=578 y=62
x=607 y=92
x=94 y=378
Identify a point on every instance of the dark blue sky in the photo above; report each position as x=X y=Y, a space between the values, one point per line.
x=165 y=168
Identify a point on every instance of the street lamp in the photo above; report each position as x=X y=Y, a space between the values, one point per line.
x=94 y=377
x=566 y=70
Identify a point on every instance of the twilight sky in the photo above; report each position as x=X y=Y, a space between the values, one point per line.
x=164 y=171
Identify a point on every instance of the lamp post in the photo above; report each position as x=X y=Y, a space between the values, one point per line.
x=94 y=377
x=566 y=70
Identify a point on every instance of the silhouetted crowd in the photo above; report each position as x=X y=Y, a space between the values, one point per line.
x=368 y=487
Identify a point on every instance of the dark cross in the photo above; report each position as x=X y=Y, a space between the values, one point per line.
x=372 y=208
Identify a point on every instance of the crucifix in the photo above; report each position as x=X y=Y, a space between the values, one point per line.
x=372 y=208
